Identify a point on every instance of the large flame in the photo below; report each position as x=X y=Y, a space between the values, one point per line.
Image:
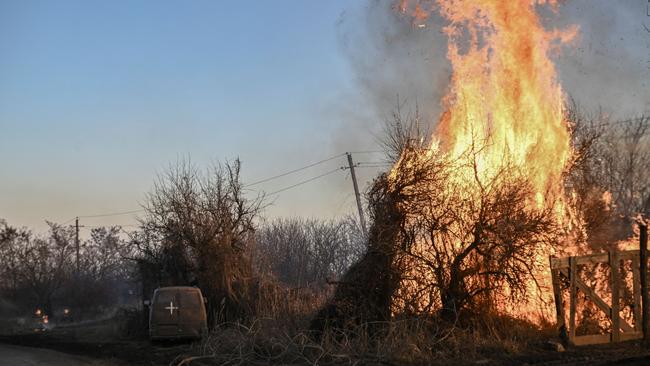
x=504 y=92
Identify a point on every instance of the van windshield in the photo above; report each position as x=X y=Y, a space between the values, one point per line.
x=165 y=296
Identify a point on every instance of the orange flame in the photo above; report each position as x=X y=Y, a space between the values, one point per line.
x=504 y=92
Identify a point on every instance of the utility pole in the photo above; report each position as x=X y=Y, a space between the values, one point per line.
x=76 y=240
x=362 y=219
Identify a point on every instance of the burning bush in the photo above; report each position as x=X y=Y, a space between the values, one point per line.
x=469 y=241
x=444 y=243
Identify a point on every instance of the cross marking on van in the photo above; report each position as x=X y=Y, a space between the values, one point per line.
x=171 y=308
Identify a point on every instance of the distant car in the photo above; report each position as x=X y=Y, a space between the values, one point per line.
x=177 y=312
x=40 y=321
x=66 y=315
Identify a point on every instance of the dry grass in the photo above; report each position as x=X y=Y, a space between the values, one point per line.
x=400 y=342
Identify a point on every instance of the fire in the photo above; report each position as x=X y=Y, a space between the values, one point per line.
x=504 y=103
x=504 y=90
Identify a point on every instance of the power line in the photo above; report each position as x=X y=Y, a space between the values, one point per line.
x=69 y=220
x=98 y=226
x=375 y=163
x=303 y=182
x=294 y=170
x=113 y=213
x=367 y=152
x=252 y=184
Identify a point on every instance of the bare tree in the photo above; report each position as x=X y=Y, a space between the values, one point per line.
x=104 y=272
x=403 y=131
x=626 y=156
x=12 y=240
x=41 y=271
x=608 y=176
x=207 y=223
x=304 y=253
x=45 y=263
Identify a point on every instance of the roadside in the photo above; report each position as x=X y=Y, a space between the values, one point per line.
x=105 y=339
x=29 y=356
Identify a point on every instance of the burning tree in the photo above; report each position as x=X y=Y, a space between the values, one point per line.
x=463 y=249
x=435 y=247
x=470 y=217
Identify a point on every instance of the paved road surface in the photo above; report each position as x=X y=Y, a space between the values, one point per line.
x=27 y=356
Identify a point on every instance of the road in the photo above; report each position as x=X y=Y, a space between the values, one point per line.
x=28 y=356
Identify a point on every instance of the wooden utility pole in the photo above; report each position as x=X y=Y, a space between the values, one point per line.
x=76 y=240
x=362 y=219
x=643 y=269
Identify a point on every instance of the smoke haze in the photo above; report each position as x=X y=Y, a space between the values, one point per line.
x=607 y=66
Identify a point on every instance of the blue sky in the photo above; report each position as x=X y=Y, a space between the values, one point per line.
x=96 y=97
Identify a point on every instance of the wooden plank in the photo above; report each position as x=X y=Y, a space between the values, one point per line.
x=573 y=297
x=614 y=264
x=559 y=305
x=636 y=291
x=631 y=336
x=558 y=263
x=600 y=303
x=592 y=259
x=591 y=339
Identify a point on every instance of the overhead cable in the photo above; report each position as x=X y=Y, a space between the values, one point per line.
x=293 y=171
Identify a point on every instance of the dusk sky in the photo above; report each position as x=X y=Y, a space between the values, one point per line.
x=97 y=97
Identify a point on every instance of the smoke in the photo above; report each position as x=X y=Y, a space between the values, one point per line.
x=392 y=57
x=392 y=62
x=395 y=60
x=609 y=66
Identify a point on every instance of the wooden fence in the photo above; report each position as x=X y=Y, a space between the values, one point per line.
x=620 y=329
